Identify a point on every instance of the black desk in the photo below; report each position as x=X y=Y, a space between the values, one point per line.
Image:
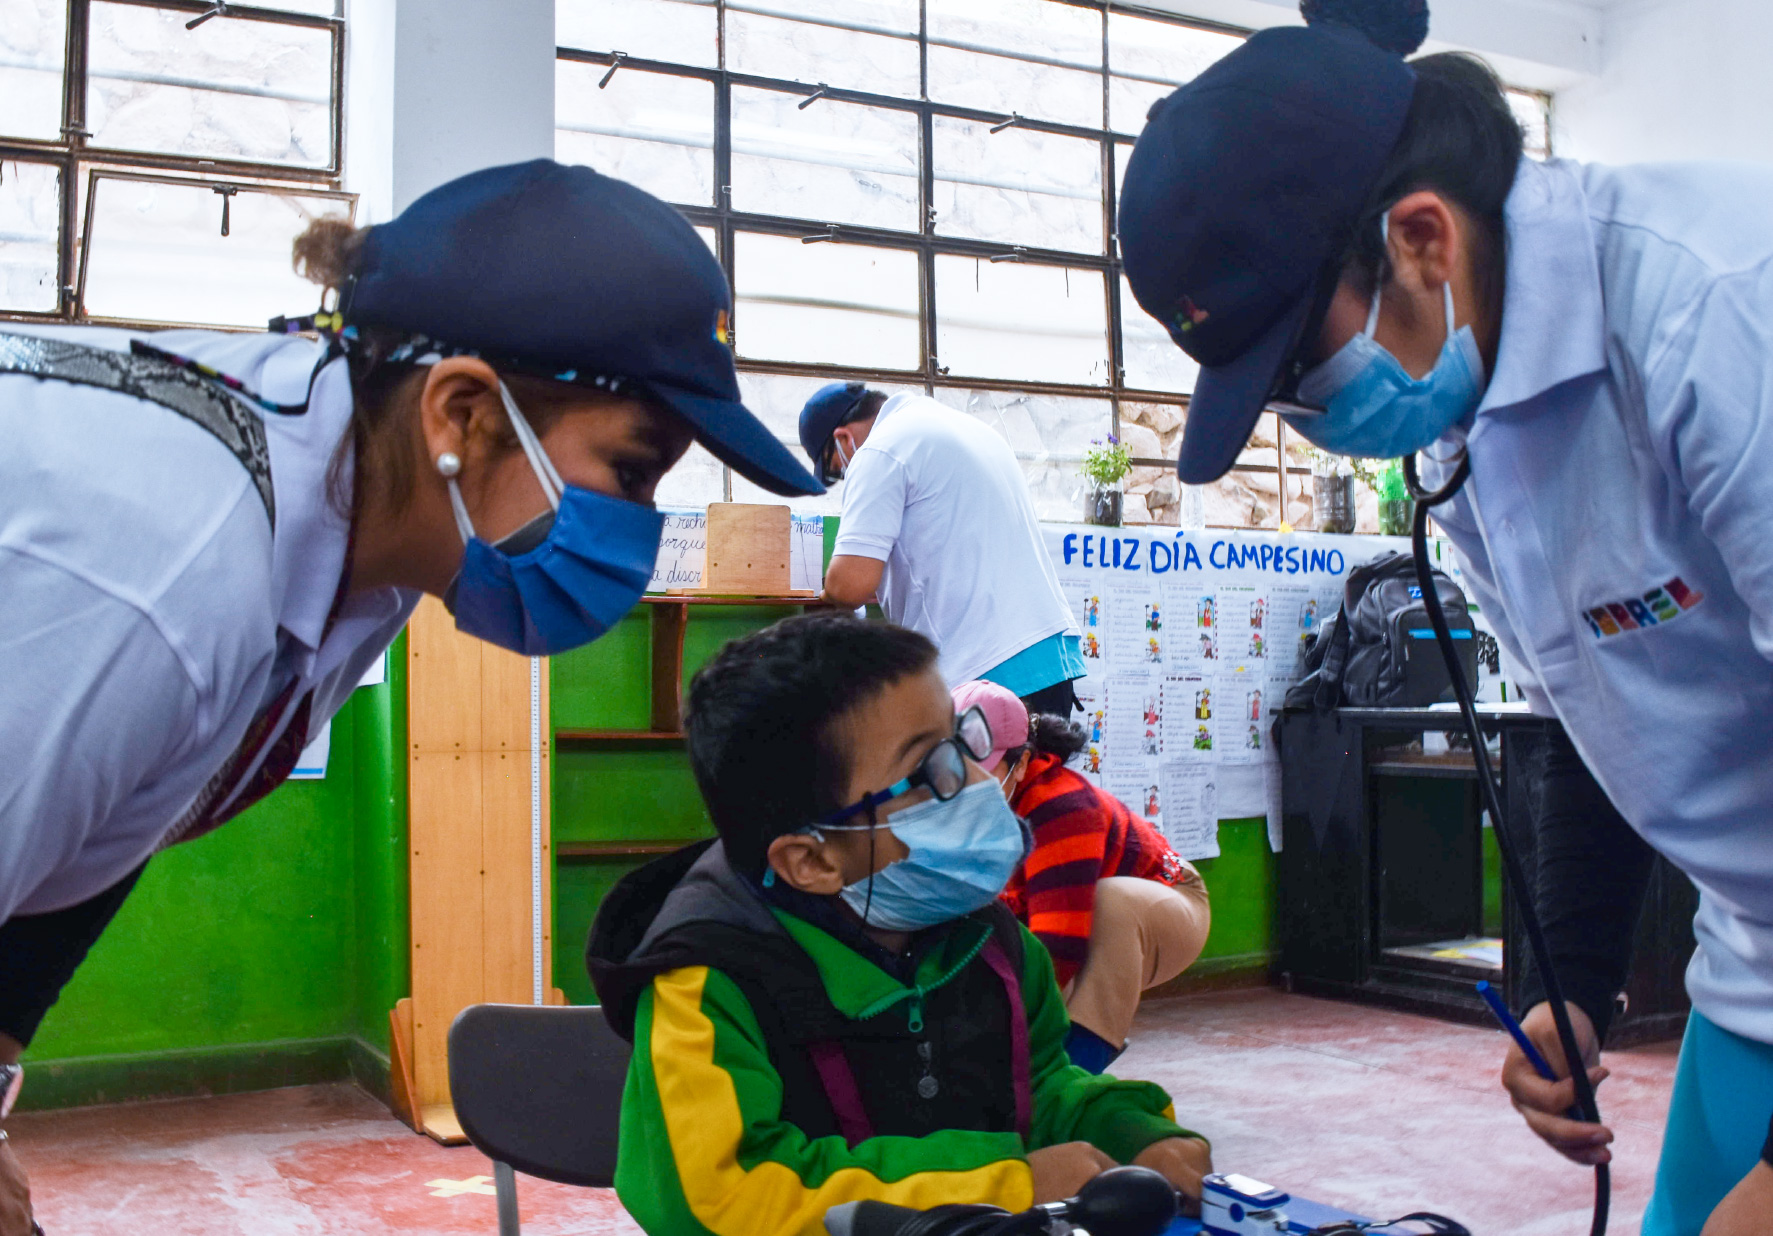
x=1383 y=853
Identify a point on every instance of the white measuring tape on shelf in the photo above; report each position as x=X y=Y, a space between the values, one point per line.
x=535 y=825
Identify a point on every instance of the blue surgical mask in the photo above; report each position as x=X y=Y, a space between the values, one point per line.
x=1373 y=407
x=562 y=579
x=963 y=852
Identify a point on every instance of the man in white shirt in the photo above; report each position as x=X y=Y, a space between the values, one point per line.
x=938 y=525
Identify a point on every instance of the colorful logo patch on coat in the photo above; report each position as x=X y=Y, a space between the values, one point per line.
x=1657 y=606
x=723 y=331
x=1189 y=315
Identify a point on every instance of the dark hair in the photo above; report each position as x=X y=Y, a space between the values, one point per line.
x=383 y=391
x=1460 y=139
x=1051 y=735
x=868 y=405
x=760 y=721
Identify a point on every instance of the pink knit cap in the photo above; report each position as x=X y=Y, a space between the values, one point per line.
x=1004 y=713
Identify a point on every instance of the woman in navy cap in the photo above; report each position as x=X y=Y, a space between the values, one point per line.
x=207 y=538
x=1359 y=241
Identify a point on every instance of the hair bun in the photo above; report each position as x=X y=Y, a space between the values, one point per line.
x=1396 y=25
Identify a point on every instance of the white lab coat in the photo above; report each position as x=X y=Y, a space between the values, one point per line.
x=147 y=612
x=1622 y=464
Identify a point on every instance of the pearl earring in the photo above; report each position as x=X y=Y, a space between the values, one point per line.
x=449 y=464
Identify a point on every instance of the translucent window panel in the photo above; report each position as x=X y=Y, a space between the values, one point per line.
x=681 y=31
x=826 y=303
x=230 y=89
x=33 y=39
x=156 y=253
x=1020 y=321
x=315 y=8
x=1152 y=360
x=696 y=480
x=653 y=130
x=859 y=44
x=1533 y=111
x=1006 y=85
x=777 y=398
x=30 y=227
x=710 y=239
x=828 y=503
x=1058 y=33
x=834 y=162
x=1148 y=59
x=1019 y=186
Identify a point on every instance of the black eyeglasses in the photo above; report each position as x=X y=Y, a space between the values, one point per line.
x=943 y=770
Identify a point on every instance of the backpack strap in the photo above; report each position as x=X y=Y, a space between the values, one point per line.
x=841 y=1090
x=999 y=961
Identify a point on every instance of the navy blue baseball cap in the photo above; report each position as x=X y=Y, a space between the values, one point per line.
x=577 y=276
x=831 y=407
x=1242 y=197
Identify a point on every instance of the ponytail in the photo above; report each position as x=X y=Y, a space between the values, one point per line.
x=1050 y=735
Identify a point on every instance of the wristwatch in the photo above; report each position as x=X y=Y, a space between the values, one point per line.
x=12 y=1077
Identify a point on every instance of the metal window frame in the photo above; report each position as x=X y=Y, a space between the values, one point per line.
x=75 y=154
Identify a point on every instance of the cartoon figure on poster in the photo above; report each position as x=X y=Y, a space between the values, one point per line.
x=1154 y=620
x=1257 y=648
x=1258 y=612
x=1203 y=704
x=1152 y=713
x=1255 y=701
x=1308 y=616
x=1206 y=613
x=1092 y=611
x=1255 y=740
x=1154 y=651
x=1150 y=741
x=1151 y=803
x=1203 y=738
x=1096 y=726
x=1092 y=647
x=1093 y=761
x=1209 y=646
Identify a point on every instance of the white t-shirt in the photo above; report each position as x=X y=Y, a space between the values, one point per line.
x=941 y=500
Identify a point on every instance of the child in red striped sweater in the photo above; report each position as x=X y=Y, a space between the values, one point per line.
x=1119 y=910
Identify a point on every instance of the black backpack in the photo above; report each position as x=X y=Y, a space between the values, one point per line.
x=1378 y=650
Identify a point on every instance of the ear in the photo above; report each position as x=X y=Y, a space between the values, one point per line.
x=460 y=410
x=1425 y=242
x=803 y=863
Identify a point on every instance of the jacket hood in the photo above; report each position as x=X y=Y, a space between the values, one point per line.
x=632 y=938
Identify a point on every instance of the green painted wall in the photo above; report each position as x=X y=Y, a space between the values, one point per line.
x=269 y=951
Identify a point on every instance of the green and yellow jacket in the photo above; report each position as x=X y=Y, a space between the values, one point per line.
x=778 y=1071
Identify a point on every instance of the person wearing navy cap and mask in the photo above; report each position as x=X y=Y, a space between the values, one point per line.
x=1356 y=239
x=938 y=526
x=208 y=538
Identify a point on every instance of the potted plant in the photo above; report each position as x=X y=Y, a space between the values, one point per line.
x=1105 y=466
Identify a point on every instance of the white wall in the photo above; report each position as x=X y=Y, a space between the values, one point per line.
x=439 y=88
x=1679 y=79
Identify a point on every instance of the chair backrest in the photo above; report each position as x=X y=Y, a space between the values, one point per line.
x=540 y=1087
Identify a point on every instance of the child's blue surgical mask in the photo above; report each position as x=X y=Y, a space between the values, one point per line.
x=1370 y=404
x=963 y=852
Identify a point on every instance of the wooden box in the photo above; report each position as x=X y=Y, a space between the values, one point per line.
x=748 y=550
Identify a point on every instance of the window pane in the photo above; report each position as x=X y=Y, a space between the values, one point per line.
x=1152 y=359
x=230 y=89
x=1058 y=79
x=156 y=253
x=1533 y=111
x=849 y=43
x=33 y=38
x=653 y=130
x=681 y=31
x=315 y=8
x=1020 y=321
x=694 y=482
x=1048 y=433
x=826 y=303
x=30 y=225
x=1059 y=33
x=1003 y=85
x=1150 y=58
x=831 y=161
x=777 y=398
x=710 y=239
x=1019 y=186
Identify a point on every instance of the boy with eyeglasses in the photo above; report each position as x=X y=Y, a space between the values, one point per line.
x=829 y=1004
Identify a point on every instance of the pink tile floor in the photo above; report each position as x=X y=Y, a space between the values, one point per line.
x=1363 y=1108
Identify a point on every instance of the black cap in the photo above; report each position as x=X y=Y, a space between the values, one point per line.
x=1245 y=186
x=579 y=276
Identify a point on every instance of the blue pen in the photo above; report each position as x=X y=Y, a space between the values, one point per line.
x=1514 y=1029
